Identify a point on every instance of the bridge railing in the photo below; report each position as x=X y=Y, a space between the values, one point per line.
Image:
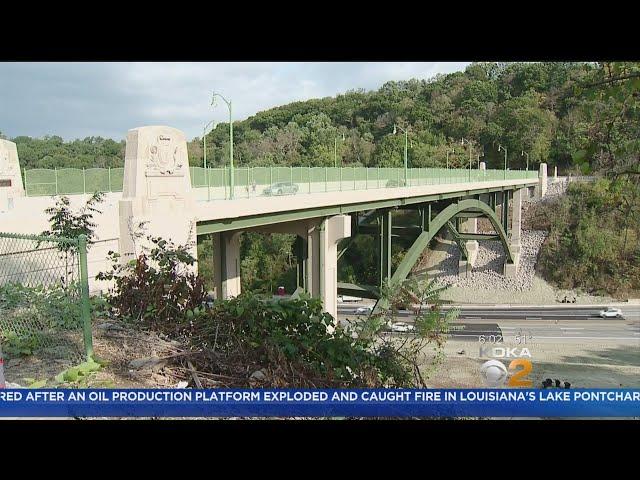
x=215 y=183
x=265 y=181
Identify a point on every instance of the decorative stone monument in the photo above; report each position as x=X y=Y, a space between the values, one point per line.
x=156 y=196
x=10 y=178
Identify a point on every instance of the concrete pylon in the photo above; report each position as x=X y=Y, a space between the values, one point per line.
x=226 y=265
x=542 y=181
x=156 y=197
x=330 y=232
x=10 y=179
x=555 y=173
x=469 y=225
x=483 y=166
x=511 y=269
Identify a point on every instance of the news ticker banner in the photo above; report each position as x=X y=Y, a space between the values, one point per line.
x=319 y=403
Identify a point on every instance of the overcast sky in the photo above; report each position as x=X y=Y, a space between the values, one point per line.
x=77 y=100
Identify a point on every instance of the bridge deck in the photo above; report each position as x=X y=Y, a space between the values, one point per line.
x=216 y=216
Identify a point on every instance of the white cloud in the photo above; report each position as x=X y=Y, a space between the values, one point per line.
x=74 y=100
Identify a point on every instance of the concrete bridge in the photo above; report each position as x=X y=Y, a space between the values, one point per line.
x=158 y=200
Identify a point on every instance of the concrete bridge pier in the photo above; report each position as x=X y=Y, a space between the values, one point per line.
x=541 y=188
x=511 y=268
x=226 y=264
x=331 y=231
x=469 y=225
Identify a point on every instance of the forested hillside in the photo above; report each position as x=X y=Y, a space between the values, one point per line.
x=539 y=108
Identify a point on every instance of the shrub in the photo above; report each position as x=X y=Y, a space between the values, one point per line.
x=292 y=343
x=156 y=287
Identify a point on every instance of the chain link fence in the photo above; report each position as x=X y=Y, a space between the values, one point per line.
x=44 y=298
x=254 y=180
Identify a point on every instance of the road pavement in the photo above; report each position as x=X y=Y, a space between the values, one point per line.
x=577 y=323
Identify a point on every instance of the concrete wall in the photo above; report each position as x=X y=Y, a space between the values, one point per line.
x=28 y=217
x=11 y=186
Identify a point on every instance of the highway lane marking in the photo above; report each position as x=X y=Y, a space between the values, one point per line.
x=589 y=338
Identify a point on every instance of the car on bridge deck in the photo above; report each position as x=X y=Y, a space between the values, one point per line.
x=281 y=188
x=611 y=312
x=396 y=183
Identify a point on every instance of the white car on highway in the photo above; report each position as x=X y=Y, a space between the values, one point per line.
x=364 y=310
x=402 y=327
x=611 y=312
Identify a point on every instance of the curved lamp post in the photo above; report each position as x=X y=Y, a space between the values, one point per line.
x=523 y=154
x=500 y=147
x=406 y=149
x=453 y=150
x=228 y=102
x=470 y=154
x=335 y=151
x=204 y=141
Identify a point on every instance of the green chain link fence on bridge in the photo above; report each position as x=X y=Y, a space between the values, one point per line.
x=250 y=181
x=44 y=298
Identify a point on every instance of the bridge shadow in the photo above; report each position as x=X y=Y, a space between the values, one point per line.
x=620 y=355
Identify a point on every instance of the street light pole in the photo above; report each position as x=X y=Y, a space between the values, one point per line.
x=228 y=102
x=406 y=150
x=453 y=150
x=523 y=154
x=335 y=151
x=505 y=159
x=470 y=155
x=204 y=141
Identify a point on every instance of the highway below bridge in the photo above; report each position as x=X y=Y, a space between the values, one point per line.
x=575 y=324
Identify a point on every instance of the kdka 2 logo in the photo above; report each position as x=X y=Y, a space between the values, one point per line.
x=496 y=374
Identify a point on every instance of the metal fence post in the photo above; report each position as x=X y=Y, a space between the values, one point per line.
x=26 y=193
x=309 y=179
x=84 y=294
x=84 y=182
x=340 y=178
x=325 y=179
x=55 y=171
x=109 y=179
x=3 y=383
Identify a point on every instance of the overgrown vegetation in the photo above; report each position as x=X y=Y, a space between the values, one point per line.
x=156 y=287
x=38 y=317
x=594 y=239
x=254 y=340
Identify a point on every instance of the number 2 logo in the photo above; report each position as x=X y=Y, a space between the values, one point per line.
x=518 y=378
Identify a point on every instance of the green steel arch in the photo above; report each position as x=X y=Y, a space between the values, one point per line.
x=446 y=215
